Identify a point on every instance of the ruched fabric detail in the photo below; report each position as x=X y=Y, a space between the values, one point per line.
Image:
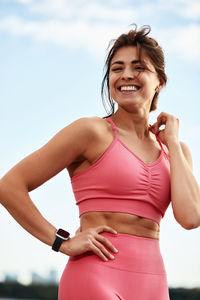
x=121 y=182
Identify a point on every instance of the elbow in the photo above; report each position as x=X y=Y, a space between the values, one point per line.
x=11 y=191
x=191 y=223
x=2 y=192
x=188 y=219
x=189 y=226
x=8 y=192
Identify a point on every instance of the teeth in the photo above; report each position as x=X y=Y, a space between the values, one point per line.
x=129 y=88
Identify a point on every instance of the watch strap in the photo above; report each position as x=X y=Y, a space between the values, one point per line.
x=57 y=243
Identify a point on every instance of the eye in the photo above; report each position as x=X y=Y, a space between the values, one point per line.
x=140 y=68
x=117 y=69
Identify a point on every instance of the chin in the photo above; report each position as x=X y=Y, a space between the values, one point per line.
x=130 y=108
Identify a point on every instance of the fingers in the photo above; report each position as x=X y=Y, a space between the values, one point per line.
x=154 y=128
x=101 y=251
x=105 y=228
x=90 y=240
x=106 y=242
x=162 y=119
x=99 y=242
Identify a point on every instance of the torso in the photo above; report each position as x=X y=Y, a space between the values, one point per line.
x=122 y=223
x=148 y=151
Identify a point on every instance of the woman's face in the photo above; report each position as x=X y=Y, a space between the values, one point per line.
x=131 y=84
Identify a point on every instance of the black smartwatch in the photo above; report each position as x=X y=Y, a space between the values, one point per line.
x=61 y=236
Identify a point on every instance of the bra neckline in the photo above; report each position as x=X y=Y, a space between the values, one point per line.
x=109 y=148
x=136 y=156
x=131 y=151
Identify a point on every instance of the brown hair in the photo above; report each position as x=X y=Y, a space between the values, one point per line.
x=143 y=42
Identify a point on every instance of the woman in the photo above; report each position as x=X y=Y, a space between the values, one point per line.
x=124 y=174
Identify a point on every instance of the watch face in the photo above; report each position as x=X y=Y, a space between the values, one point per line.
x=63 y=233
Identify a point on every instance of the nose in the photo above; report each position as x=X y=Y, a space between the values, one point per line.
x=128 y=74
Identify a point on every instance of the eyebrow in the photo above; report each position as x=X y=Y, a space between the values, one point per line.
x=119 y=62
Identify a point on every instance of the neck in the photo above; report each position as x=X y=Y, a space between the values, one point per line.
x=136 y=124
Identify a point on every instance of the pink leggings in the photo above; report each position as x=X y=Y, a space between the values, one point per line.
x=136 y=273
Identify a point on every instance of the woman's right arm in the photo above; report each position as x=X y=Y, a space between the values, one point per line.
x=36 y=169
x=62 y=150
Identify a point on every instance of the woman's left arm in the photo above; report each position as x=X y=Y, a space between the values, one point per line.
x=185 y=191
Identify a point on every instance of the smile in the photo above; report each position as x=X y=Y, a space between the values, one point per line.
x=129 y=88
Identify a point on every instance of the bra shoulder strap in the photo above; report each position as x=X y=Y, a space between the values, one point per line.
x=158 y=140
x=113 y=125
x=161 y=145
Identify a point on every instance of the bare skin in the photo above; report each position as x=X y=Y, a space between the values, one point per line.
x=92 y=223
x=122 y=223
x=149 y=151
x=80 y=144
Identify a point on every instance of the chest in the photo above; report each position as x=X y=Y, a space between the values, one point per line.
x=123 y=172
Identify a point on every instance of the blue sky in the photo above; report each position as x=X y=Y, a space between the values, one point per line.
x=52 y=56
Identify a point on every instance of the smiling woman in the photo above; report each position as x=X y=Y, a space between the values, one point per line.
x=124 y=174
x=126 y=62
x=144 y=47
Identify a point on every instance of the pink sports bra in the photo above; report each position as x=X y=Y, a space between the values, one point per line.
x=119 y=181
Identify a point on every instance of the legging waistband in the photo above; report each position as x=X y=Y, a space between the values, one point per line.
x=135 y=254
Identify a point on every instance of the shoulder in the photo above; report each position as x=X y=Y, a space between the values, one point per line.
x=186 y=153
x=89 y=125
x=87 y=131
x=88 y=120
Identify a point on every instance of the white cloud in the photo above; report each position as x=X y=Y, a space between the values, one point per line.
x=25 y=1
x=189 y=9
x=113 y=9
x=17 y=26
x=81 y=9
x=91 y=25
x=183 y=42
x=70 y=34
x=187 y=42
x=100 y=12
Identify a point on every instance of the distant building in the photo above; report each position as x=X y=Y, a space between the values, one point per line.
x=52 y=277
x=36 y=278
x=10 y=277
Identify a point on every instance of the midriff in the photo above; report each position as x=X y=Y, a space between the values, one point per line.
x=122 y=223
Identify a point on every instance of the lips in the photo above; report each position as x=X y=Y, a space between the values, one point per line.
x=128 y=88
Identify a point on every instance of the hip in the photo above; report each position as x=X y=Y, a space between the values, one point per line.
x=135 y=254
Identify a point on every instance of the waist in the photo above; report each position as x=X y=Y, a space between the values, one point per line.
x=142 y=208
x=122 y=223
x=135 y=254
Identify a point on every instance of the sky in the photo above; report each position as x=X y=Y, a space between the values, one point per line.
x=52 y=55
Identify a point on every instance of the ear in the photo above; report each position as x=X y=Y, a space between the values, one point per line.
x=159 y=87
